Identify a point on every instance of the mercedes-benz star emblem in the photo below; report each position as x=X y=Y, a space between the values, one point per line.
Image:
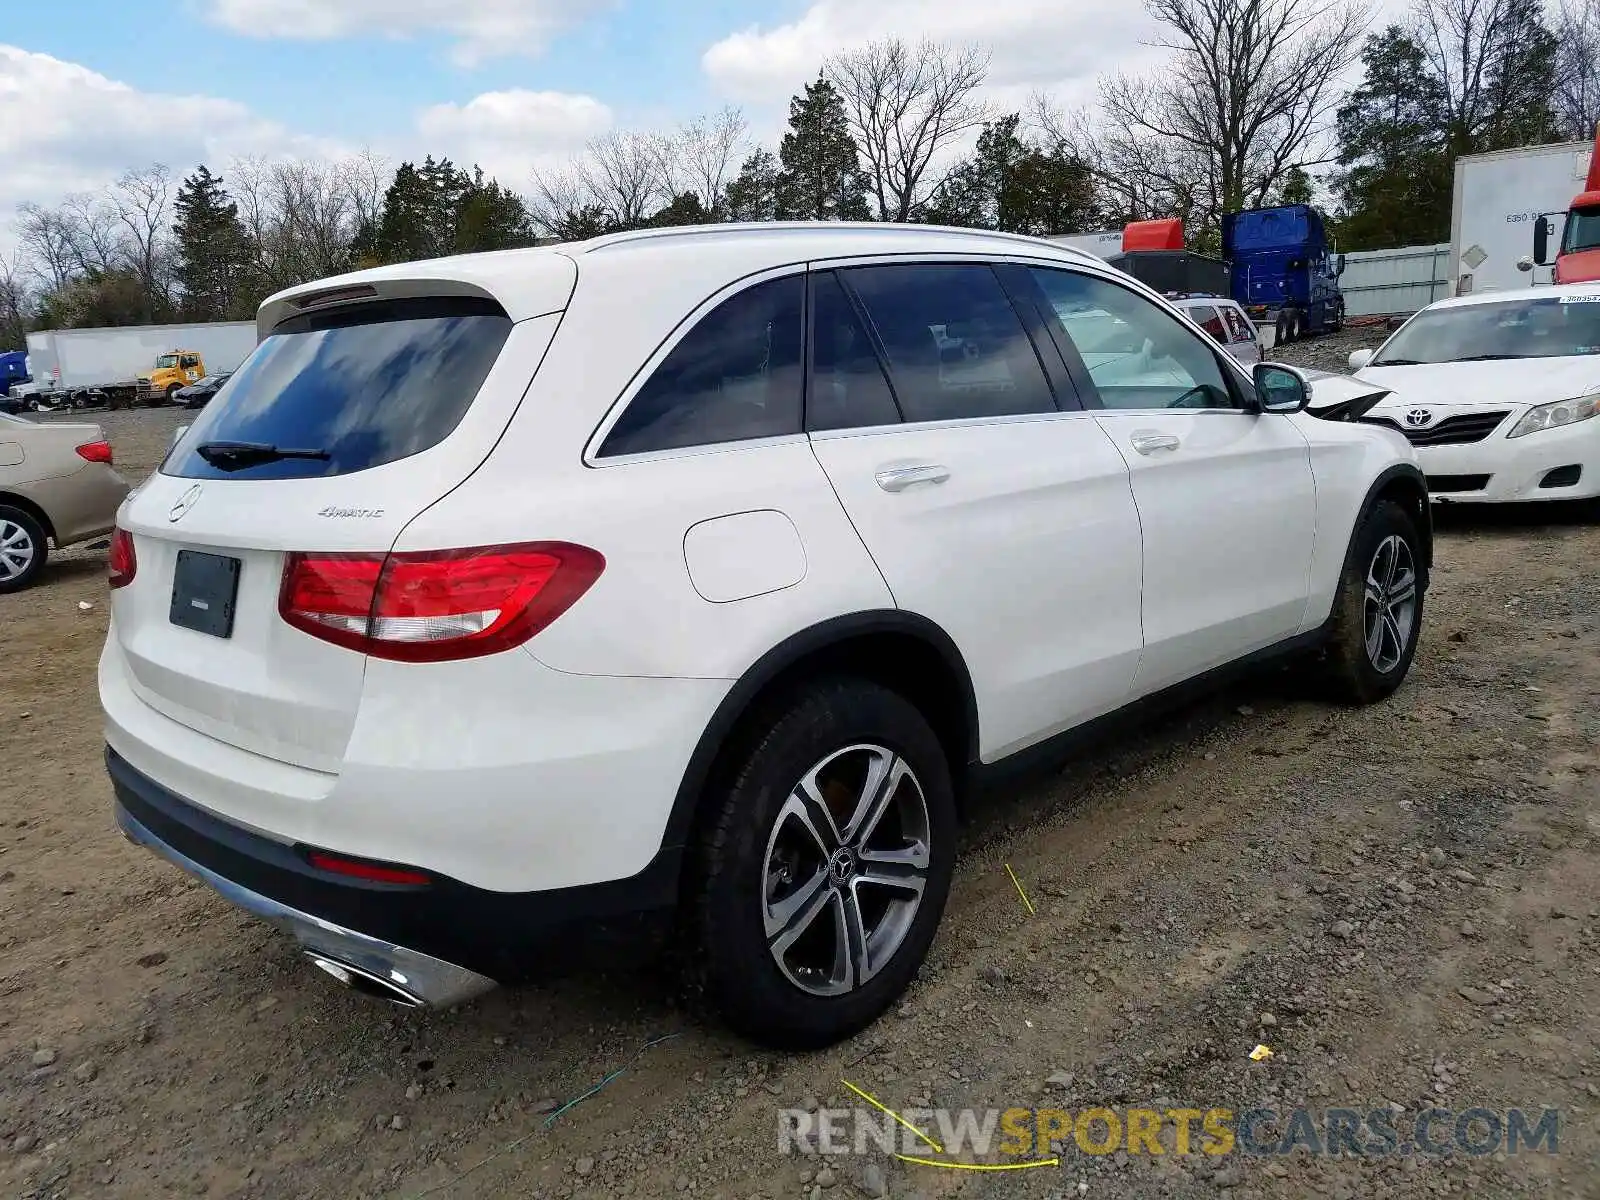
x=184 y=503
x=1418 y=417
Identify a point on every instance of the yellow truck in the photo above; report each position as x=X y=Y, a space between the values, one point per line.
x=174 y=370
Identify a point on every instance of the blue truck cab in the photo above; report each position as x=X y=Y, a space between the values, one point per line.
x=1282 y=271
x=13 y=370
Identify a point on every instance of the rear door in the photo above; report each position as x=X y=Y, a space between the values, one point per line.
x=1226 y=497
x=383 y=407
x=993 y=505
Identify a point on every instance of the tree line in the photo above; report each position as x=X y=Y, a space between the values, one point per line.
x=1252 y=105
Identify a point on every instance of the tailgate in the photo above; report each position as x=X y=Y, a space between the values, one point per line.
x=328 y=440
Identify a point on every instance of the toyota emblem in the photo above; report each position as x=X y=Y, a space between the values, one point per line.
x=184 y=503
x=1418 y=417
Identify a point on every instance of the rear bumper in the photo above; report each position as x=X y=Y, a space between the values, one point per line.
x=406 y=975
x=448 y=940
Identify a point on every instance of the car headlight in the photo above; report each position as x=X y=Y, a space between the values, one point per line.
x=1555 y=414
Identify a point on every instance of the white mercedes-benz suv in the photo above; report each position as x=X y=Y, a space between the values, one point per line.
x=706 y=571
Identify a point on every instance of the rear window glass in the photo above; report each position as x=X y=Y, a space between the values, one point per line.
x=363 y=386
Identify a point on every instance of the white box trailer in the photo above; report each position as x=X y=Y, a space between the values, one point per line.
x=1101 y=244
x=85 y=367
x=1497 y=199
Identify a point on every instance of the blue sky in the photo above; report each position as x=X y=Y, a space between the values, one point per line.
x=90 y=89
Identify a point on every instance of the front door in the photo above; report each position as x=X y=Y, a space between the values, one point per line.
x=1226 y=497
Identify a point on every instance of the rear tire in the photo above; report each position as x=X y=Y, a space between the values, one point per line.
x=815 y=905
x=23 y=549
x=1377 y=615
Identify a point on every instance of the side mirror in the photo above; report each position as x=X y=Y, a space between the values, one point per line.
x=1280 y=388
x=1525 y=263
x=1541 y=241
x=1338 y=268
x=1360 y=358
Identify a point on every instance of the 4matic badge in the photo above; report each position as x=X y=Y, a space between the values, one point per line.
x=333 y=511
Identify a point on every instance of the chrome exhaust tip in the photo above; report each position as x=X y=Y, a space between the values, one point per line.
x=365 y=981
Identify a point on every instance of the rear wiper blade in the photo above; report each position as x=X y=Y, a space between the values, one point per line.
x=234 y=456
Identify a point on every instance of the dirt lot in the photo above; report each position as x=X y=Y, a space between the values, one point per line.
x=1403 y=902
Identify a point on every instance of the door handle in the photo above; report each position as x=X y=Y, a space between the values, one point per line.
x=898 y=479
x=1149 y=443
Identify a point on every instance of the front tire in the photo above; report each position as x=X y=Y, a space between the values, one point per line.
x=825 y=865
x=23 y=549
x=1377 y=615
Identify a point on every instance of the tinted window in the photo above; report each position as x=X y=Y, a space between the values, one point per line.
x=1138 y=354
x=735 y=376
x=956 y=346
x=848 y=388
x=368 y=386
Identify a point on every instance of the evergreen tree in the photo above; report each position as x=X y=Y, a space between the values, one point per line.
x=821 y=178
x=753 y=194
x=212 y=252
x=683 y=209
x=438 y=209
x=1016 y=186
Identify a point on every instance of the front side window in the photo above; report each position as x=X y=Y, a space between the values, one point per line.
x=733 y=377
x=956 y=347
x=1137 y=354
x=167 y=360
x=1582 y=230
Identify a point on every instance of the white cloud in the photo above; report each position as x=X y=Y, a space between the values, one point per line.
x=481 y=29
x=65 y=128
x=510 y=132
x=1035 y=43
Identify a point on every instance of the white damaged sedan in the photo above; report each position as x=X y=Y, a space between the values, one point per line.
x=1498 y=393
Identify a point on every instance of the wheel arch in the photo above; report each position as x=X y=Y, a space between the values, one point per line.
x=901 y=650
x=1405 y=484
x=13 y=500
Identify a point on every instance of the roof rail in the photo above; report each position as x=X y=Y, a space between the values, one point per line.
x=608 y=240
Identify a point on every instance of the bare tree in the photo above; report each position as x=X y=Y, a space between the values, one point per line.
x=13 y=303
x=99 y=239
x=301 y=215
x=141 y=199
x=1577 y=68
x=702 y=157
x=615 y=183
x=47 y=245
x=909 y=106
x=1248 y=90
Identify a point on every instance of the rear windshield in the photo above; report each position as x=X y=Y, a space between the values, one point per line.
x=362 y=386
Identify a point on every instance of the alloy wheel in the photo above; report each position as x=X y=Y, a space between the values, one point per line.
x=16 y=550
x=1389 y=612
x=845 y=869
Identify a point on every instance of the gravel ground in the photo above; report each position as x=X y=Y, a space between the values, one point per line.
x=1330 y=351
x=1403 y=902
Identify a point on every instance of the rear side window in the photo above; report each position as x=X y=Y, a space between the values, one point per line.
x=735 y=376
x=848 y=388
x=364 y=386
x=956 y=347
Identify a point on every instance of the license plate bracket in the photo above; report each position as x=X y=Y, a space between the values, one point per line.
x=205 y=589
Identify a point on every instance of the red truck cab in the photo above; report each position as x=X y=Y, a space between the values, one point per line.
x=1578 y=258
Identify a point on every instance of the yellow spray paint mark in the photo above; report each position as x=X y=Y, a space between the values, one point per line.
x=881 y=1107
x=1020 y=892
x=955 y=1166
x=1261 y=1053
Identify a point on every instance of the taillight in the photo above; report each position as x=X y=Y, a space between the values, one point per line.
x=435 y=605
x=121 y=563
x=96 y=452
